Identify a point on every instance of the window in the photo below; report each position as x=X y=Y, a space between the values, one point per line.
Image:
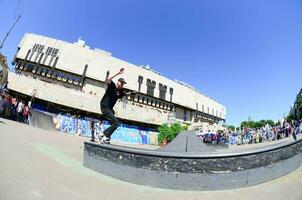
x=55 y=52
x=162 y=91
x=49 y=73
x=56 y=61
x=49 y=50
x=54 y=75
x=185 y=115
x=31 y=55
x=39 y=70
x=51 y=59
x=202 y=108
x=40 y=48
x=36 y=58
x=171 y=94
x=40 y=59
x=28 y=52
x=208 y=110
x=35 y=47
x=44 y=72
x=150 y=87
x=140 y=81
x=29 y=67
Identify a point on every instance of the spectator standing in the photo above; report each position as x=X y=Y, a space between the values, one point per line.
x=296 y=129
x=20 y=111
x=26 y=113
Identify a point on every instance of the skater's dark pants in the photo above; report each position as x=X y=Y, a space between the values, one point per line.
x=108 y=114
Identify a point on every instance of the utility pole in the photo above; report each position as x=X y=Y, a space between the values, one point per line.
x=9 y=32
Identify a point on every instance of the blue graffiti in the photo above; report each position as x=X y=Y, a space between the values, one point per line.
x=84 y=128
x=67 y=124
x=124 y=133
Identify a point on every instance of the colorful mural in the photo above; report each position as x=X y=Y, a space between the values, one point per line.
x=124 y=133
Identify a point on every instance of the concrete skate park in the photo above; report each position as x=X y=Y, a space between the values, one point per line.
x=187 y=163
x=41 y=164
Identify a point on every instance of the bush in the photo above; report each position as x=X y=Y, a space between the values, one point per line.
x=164 y=132
x=167 y=133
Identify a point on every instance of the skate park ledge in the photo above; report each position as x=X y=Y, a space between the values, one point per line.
x=194 y=171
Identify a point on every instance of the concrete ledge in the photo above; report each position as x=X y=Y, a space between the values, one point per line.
x=193 y=171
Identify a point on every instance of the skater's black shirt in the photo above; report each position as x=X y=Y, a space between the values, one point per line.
x=111 y=96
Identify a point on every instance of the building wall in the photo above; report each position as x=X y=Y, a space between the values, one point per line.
x=74 y=57
x=4 y=69
x=124 y=133
x=80 y=100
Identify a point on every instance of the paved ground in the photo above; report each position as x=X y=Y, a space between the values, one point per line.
x=38 y=164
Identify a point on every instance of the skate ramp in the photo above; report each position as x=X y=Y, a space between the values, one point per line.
x=187 y=141
x=42 y=120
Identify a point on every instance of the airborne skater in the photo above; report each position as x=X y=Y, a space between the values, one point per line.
x=112 y=94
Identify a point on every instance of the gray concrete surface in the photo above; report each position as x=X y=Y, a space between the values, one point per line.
x=39 y=164
x=42 y=120
x=188 y=141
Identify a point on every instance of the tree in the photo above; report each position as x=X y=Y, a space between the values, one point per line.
x=262 y=123
x=244 y=124
x=256 y=124
x=270 y=122
x=231 y=127
x=174 y=130
x=164 y=132
x=289 y=117
x=299 y=107
x=167 y=133
x=248 y=124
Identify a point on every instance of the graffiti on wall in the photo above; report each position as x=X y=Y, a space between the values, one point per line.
x=124 y=133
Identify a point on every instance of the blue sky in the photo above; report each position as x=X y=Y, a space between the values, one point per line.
x=245 y=54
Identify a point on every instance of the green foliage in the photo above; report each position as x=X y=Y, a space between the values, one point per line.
x=270 y=122
x=247 y=124
x=231 y=127
x=184 y=128
x=289 y=117
x=167 y=133
x=256 y=124
x=164 y=132
x=174 y=130
x=299 y=107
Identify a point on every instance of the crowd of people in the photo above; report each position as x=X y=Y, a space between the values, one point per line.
x=13 y=108
x=252 y=136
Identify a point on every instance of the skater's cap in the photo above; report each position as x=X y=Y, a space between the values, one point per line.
x=122 y=80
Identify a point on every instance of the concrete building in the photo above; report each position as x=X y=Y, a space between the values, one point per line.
x=71 y=76
x=3 y=69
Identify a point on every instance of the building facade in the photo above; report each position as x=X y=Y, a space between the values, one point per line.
x=3 y=69
x=72 y=76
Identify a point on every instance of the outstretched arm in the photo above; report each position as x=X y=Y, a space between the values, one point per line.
x=131 y=93
x=120 y=72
